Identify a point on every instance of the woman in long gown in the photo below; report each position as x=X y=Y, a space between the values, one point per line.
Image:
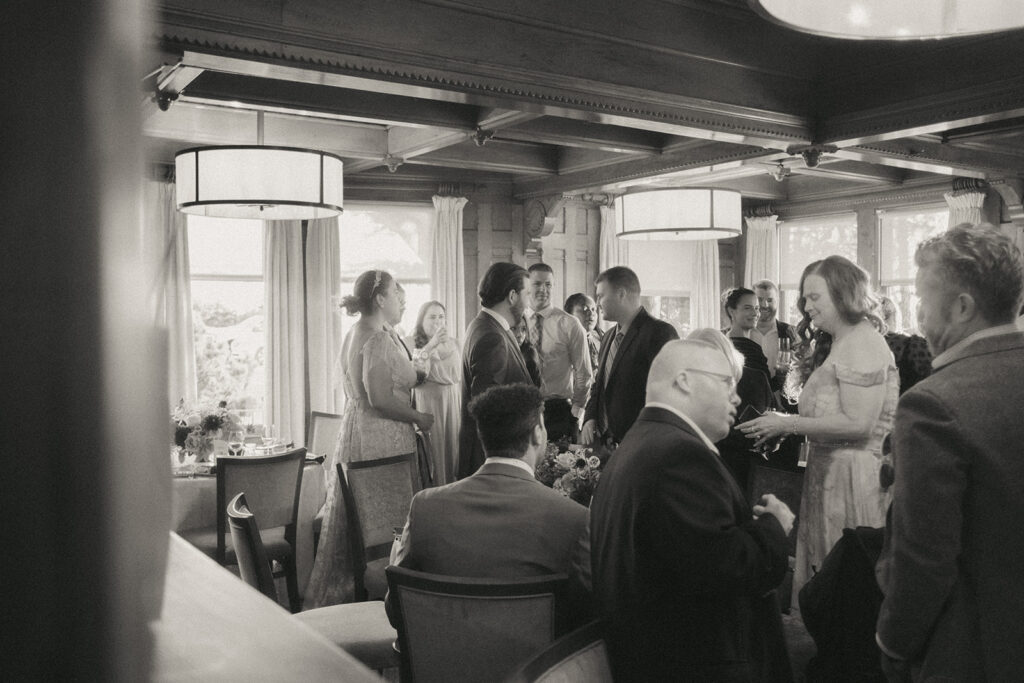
x=377 y=422
x=847 y=405
x=754 y=387
x=441 y=393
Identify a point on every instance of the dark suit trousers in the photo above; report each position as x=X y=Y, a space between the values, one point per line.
x=559 y=420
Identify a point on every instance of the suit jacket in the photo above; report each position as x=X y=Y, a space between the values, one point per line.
x=499 y=523
x=680 y=566
x=490 y=358
x=625 y=393
x=952 y=569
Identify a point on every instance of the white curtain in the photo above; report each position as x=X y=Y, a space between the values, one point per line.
x=613 y=251
x=285 y=355
x=172 y=293
x=965 y=207
x=323 y=322
x=448 y=267
x=705 y=302
x=762 y=250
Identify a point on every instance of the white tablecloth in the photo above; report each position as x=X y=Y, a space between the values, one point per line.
x=194 y=506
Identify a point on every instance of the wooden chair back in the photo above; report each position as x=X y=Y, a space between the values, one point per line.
x=578 y=657
x=253 y=565
x=457 y=629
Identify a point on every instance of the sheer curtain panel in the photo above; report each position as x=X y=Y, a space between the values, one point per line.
x=323 y=324
x=706 y=304
x=613 y=251
x=285 y=313
x=965 y=207
x=448 y=268
x=173 y=290
x=762 y=250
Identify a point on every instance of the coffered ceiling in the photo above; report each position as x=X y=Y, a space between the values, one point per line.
x=535 y=99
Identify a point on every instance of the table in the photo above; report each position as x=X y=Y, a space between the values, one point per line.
x=194 y=506
x=213 y=627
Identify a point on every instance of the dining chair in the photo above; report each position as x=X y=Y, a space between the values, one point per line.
x=457 y=629
x=271 y=484
x=323 y=432
x=377 y=494
x=360 y=628
x=577 y=657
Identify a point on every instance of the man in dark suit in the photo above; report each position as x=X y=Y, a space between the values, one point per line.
x=617 y=394
x=490 y=355
x=681 y=563
x=952 y=568
x=501 y=522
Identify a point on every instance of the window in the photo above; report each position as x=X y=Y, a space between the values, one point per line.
x=673 y=308
x=226 y=266
x=899 y=233
x=391 y=237
x=804 y=241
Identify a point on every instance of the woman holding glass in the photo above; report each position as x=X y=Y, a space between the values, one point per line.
x=848 y=385
x=441 y=392
x=378 y=420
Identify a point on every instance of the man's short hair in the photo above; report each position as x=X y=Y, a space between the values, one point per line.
x=621 y=277
x=500 y=279
x=505 y=416
x=982 y=261
x=764 y=284
x=574 y=300
x=540 y=268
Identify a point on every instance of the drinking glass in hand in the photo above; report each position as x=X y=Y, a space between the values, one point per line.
x=770 y=445
x=236 y=442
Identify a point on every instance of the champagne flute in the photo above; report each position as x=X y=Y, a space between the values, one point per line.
x=269 y=436
x=236 y=442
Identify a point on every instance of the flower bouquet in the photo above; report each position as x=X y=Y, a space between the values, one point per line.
x=572 y=471
x=195 y=428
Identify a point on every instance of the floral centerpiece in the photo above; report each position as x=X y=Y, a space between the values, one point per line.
x=572 y=471
x=195 y=427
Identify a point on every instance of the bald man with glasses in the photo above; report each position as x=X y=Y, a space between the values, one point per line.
x=681 y=563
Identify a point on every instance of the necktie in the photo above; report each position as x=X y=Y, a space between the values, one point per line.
x=611 y=354
x=537 y=336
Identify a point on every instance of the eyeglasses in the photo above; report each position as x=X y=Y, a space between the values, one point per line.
x=729 y=380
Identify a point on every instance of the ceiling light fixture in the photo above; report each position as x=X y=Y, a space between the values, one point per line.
x=688 y=213
x=780 y=172
x=258 y=181
x=888 y=20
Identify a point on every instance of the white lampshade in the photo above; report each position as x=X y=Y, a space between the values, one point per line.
x=893 y=19
x=248 y=181
x=679 y=214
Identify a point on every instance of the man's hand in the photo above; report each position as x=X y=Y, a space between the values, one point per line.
x=588 y=435
x=771 y=505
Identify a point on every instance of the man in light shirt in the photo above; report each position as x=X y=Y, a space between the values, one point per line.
x=680 y=560
x=561 y=344
x=770 y=330
x=952 y=565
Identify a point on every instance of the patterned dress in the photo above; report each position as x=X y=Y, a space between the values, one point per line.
x=364 y=435
x=841 y=488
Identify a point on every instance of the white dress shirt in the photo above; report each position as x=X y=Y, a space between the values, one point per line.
x=564 y=356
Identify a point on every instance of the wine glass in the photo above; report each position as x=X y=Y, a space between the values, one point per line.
x=269 y=436
x=236 y=442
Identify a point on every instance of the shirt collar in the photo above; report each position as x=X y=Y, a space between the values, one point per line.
x=624 y=327
x=956 y=350
x=675 y=411
x=499 y=317
x=514 y=462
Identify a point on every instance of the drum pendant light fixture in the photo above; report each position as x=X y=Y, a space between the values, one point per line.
x=258 y=181
x=688 y=213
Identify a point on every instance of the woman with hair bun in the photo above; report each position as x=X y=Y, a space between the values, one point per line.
x=848 y=385
x=378 y=420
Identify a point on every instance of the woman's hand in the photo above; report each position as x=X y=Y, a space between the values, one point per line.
x=424 y=421
x=440 y=337
x=767 y=427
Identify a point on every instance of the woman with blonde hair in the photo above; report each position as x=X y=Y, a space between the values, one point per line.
x=847 y=385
